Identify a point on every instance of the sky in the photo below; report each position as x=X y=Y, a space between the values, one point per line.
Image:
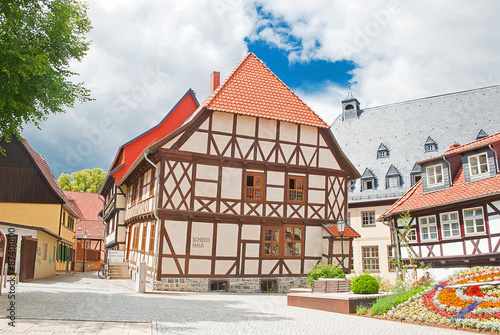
x=145 y=55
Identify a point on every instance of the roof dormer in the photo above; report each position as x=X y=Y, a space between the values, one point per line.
x=367 y=181
x=392 y=178
x=481 y=134
x=430 y=145
x=382 y=151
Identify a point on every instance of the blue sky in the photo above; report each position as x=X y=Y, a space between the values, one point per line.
x=146 y=55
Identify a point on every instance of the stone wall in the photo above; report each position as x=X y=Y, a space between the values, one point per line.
x=234 y=285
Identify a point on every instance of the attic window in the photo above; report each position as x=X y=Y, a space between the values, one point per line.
x=367 y=180
x=430 y=145
x=392 y=178
x=382 y=151
x=415 y=174
x=481 y=134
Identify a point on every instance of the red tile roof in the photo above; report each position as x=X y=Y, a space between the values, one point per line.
x=474 y=145
x=415 y=198
x=349 y=232
x=252 y=89
x=47 y=173
x=89 y=205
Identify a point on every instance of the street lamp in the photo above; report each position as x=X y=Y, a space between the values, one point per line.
x=341 y=229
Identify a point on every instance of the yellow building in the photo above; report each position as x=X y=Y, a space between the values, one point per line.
x=31 y=197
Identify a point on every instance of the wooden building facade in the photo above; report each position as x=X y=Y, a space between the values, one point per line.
x=454 y=208
x=240 y=197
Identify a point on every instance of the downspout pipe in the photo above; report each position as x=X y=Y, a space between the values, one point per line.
x=155 y=213
x=395 y=232
x=449 y=170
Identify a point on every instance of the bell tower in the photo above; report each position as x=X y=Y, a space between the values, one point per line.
x=350 y=107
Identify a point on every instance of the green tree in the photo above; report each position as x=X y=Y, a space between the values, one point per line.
x=82 y=181
x=38 y=41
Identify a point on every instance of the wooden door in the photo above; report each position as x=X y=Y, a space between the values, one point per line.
x=28 y=258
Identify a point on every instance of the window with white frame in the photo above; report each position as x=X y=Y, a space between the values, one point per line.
x=474 y=221
x=393 y=182
x=370 y=258
x=368 y=184
x=449 y=225
x=410 y=235
x=478 y=165
x=428 y=228
x=368 y=218
x=435 y=175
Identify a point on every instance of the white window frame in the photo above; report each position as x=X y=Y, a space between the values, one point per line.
x=370 y=218
x=434 y=174
x=368 y=180
x=449 y=226
x=479 y=166
x=427 y=228
x=472 y=221
x=372 y=258
x=410 y=236
x=396 y=185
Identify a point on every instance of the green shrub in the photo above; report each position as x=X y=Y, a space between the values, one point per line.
x=364 y=284
x=384 y=304
x=321 y=270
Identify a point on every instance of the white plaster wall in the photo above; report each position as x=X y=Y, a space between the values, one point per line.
x=205 y=189
x=308 y=135
x=316 y=181
x=168 y=266
x=200 y=266
x=245 y=125
x=250 y=232
x=222 y=267
x=267 y=128
x=222 y=122
x=268 y=265
x=210 y=172
x=288 y=131
x=275 y=178
x=227 y=239
x=251 y=266
x=196 y=143
x=453 y=249
x=202 y=230
x=252 y=250
x=316 y=196
x=177 y=232
x=494 y=224
x=274 y=194
x=483 y=246
x=327 y=160
x=293 y=265
x=313 y=247
x=171 y=142
x=309 y=264
x=231 y=183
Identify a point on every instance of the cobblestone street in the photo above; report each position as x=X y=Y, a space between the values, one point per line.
x=84 y=297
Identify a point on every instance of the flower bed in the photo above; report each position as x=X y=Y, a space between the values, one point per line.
x=476 y=306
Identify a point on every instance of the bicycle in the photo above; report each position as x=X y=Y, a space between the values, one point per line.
x=103 y=272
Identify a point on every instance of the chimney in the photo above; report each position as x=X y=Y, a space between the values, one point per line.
x=454 y=145
x=214 y=81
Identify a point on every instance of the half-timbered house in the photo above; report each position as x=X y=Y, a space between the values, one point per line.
x=245 y=194
x=454 y=208
x=114 y=195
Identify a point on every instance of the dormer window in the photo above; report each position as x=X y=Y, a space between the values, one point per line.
x=478 y=165
x=367 y=180
x=481 y=134
x=435 y=175
x=382 y=151
x=430 y=145
x=393 y=178
x=415 y=174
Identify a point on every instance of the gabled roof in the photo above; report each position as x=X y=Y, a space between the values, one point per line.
x=430 y=141
x=49 y=177
x=481 y=134
x=129 y=152
x=416 y=169
x=253 y=89
x=392 y=171
x=367 y=174
x=459 y=191
x=349 y=232
x=382 y=147
x=88 y=204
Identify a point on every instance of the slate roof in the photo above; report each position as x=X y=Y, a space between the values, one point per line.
x=89 y=205
x=405 y=127
x=349 y=232
x=416 y=199
x=253 y=89
x=47 y=173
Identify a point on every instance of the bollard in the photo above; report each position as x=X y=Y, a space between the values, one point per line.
x=140 y=278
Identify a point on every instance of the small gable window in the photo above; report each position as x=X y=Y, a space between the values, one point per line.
x=430 y=145
x=382 y=151
x=415 y=174
x=435 y=175
x=367 y=180
x=478 y=165
x=393 y=178
x=481 y=134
